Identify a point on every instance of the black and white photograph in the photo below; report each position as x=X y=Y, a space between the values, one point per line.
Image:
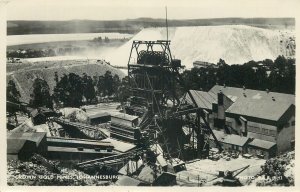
x=150 y=93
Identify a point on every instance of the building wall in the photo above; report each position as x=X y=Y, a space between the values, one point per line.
x=239 y=125
x=262 y=131
x=268 y=153
x=42 y=148
x=123 y=121
x=285 y=135
x=282 y=137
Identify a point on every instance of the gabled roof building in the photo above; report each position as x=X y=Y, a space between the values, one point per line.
x=259 y=115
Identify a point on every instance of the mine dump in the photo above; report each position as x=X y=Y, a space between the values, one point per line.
x=143 y=117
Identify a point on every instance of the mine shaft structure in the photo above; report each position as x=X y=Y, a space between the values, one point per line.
x=155 y=82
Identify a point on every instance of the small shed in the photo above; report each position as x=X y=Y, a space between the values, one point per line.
x=38 y=138
x=235 y=143
x=98 y=118
x=262 y=149
x=124 y=119
x=20 y=149
x=40 y=115
x=37 y=117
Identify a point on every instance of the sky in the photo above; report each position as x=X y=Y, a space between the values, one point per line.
x=130 y=9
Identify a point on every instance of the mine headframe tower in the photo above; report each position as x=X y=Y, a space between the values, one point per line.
x=154 y=81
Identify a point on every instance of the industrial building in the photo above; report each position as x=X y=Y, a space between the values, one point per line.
x=262 y=116
x=20 y=149
x=39 y=139
x=98 y=118
x=124 y=127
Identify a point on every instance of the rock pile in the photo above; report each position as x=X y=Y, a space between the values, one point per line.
x=42 y=172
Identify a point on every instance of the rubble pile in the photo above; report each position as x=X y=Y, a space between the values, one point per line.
x=278 y=171
x=42 y=172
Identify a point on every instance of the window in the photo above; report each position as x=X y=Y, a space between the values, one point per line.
x=265 y=131
x=272 y=132
x=253 y=129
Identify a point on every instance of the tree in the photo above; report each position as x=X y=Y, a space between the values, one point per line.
x=108 y=83
x=41 y=94
x=55 y=77
x=12 y=94
x=69 y=90
x=123 y=91
x=116 y=83
x=88 y=88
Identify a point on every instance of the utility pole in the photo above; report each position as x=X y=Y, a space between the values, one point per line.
x=167 y=23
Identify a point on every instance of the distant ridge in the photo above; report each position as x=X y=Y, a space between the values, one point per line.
x=22 y=27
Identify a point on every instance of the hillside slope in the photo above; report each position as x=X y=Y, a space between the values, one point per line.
x=25 y=73
x=236 y=44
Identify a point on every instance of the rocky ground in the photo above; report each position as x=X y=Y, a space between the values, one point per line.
x=37 y=173
x=278 y=171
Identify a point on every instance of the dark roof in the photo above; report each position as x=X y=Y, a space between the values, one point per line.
x=36 y=137
x=203 y=99
x=255 y=103
x=262 y=144
x=75 y=150
x=98 y=115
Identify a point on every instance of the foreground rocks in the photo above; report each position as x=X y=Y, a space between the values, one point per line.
x=46 y=173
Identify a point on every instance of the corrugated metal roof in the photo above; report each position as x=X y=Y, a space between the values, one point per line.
x=124 y=116
x=36 y=137
x=255 y=103
x=120 y=145
x=203 y=99
x=262 y=144
x=235 y=140
x=75 y=150
x=97 y=115
x=78 y=141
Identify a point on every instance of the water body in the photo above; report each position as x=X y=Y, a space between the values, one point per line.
x=43 y=38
